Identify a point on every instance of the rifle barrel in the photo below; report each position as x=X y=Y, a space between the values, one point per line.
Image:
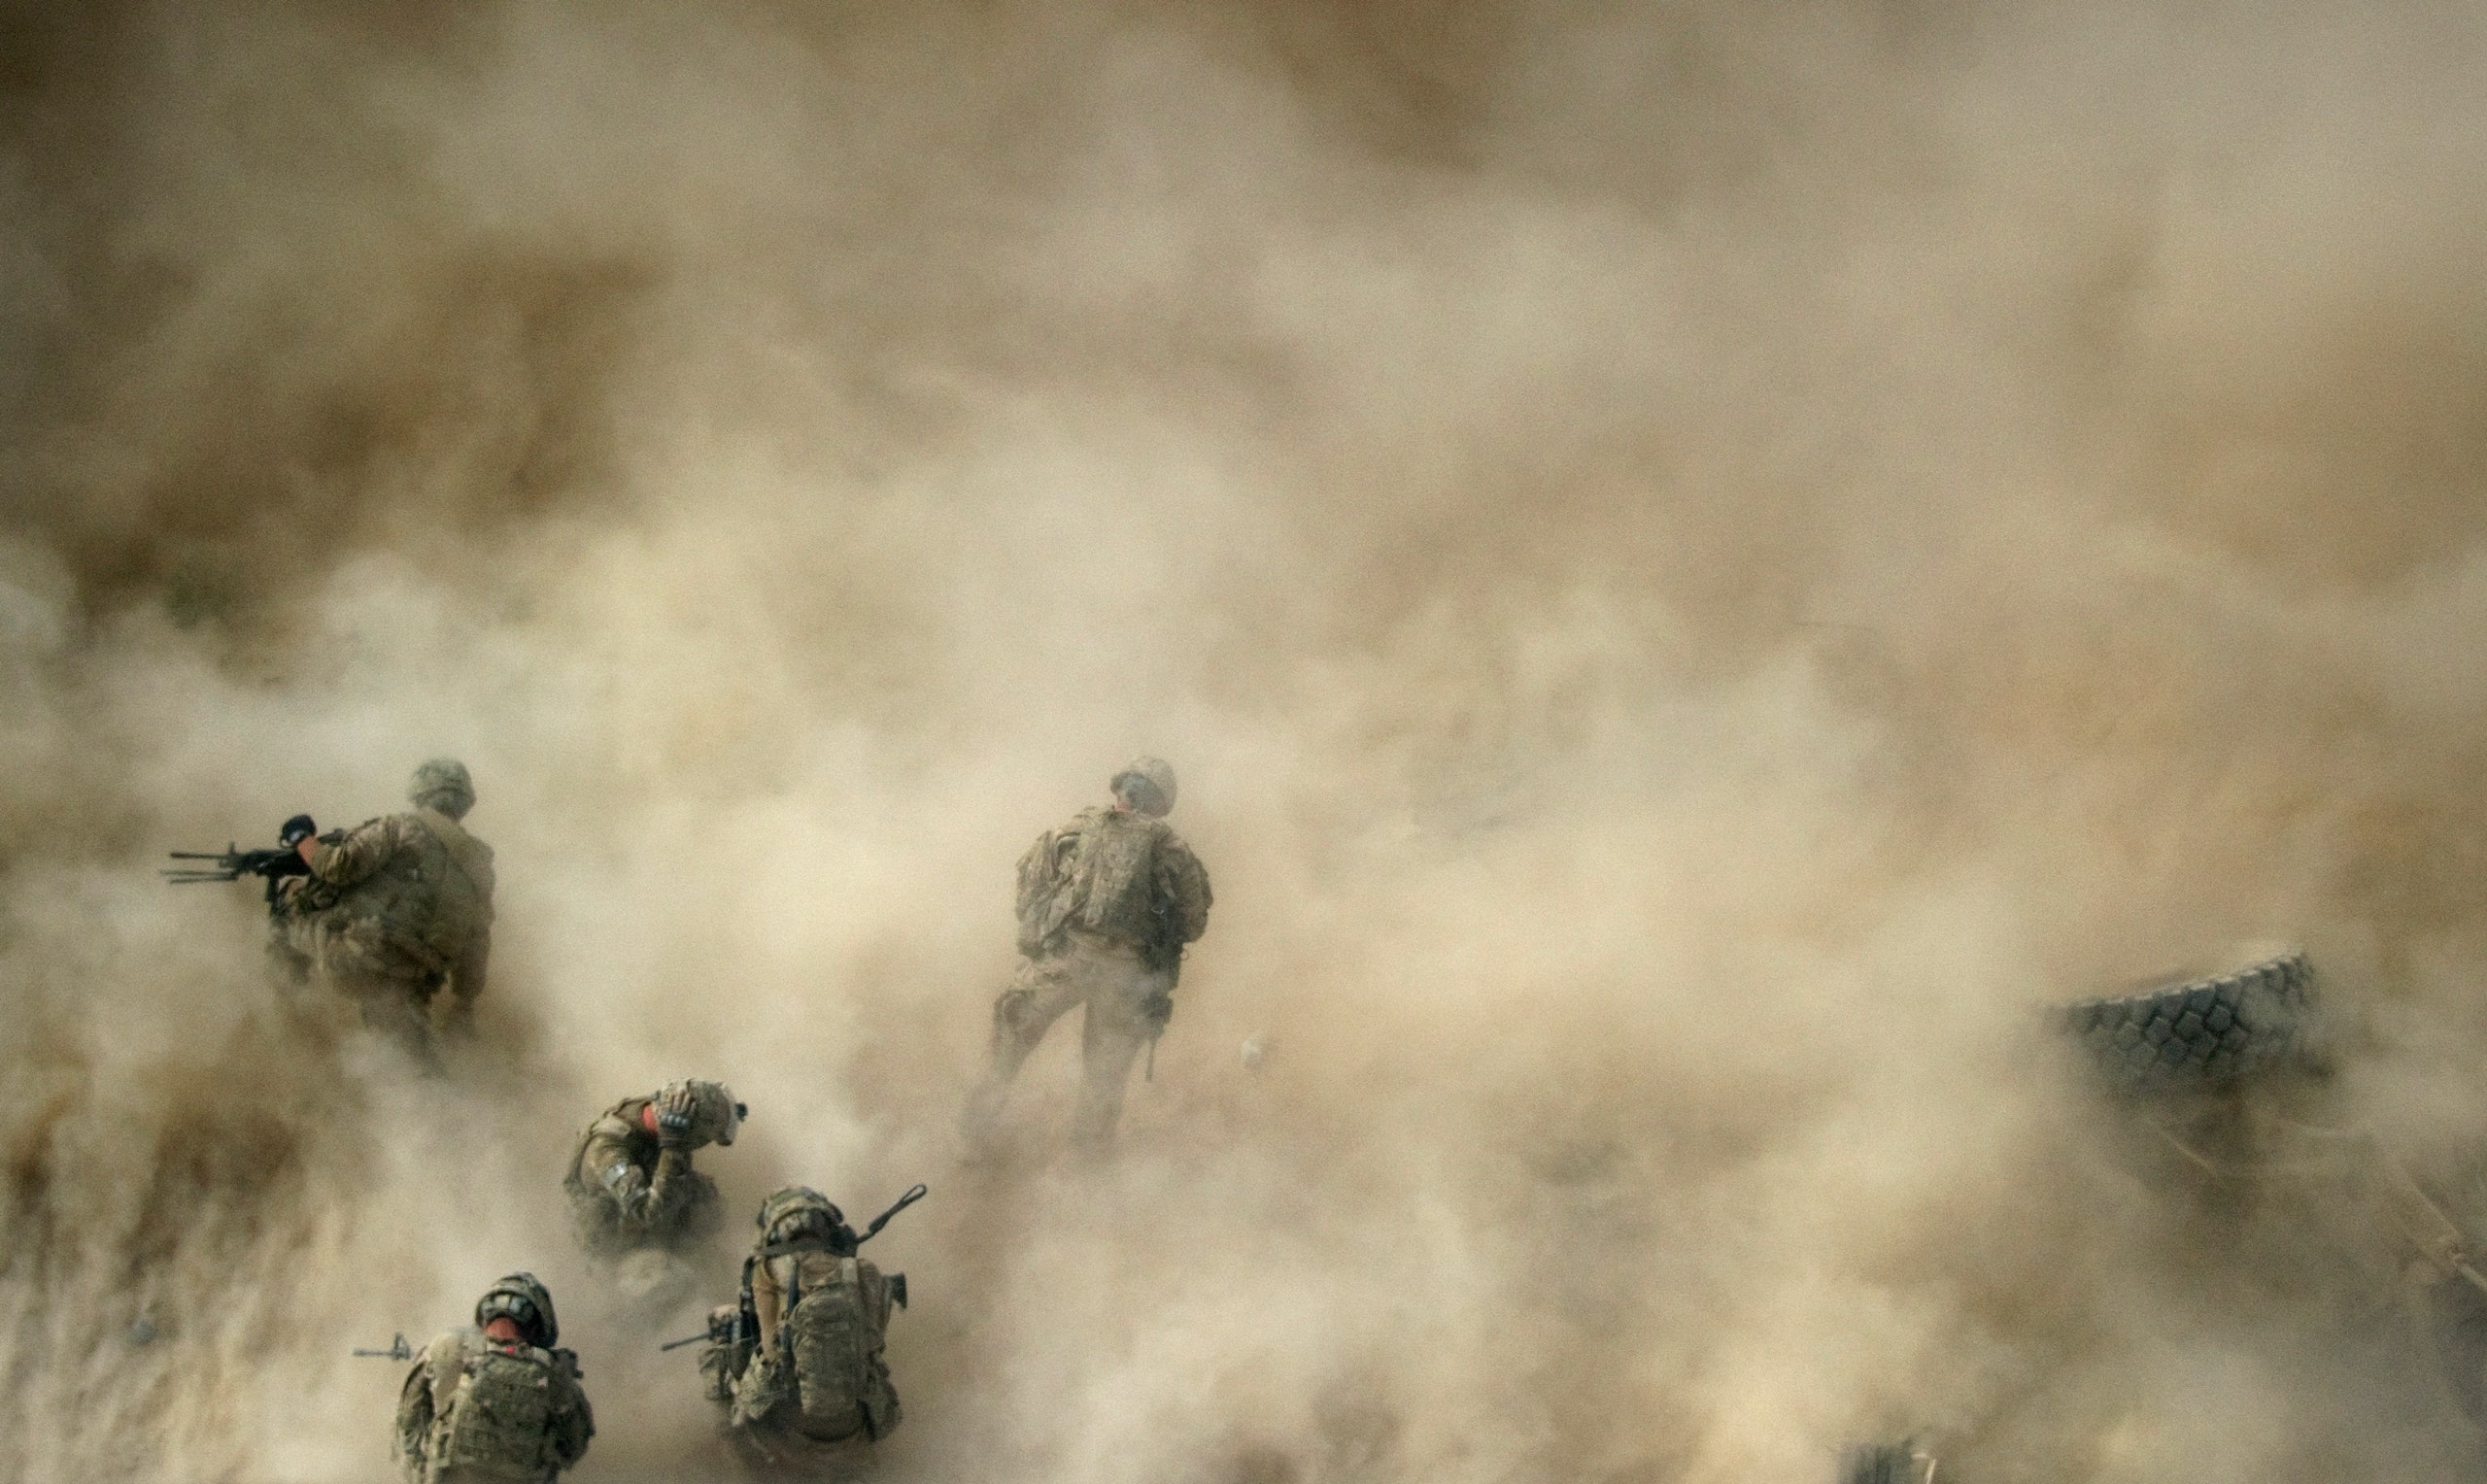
x=688 y=1340
x=884 y=1220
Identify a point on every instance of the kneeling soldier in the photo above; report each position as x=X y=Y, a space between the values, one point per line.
x=497 y=1401
x=802 y=1366
x=631 y=1183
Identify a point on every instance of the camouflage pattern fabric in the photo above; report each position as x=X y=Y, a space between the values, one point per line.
x=818 y=1370
x=395 y=910
x=628 y=1191
x=476 y=1408
x=1119 y=992
x=1116 y=874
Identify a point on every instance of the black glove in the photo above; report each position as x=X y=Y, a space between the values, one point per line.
x=675 y=1108
x=296 y=829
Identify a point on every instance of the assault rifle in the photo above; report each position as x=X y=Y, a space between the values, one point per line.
x=233 y=862
x=724 y=1328
x=398 y=1350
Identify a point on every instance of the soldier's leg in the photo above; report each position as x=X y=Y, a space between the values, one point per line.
x=595 y=1223
x=1116 y=1030
x=386 y=1005
x=288 y=966
x=1040 y=992
x=390 y=1002
x=693 y=1210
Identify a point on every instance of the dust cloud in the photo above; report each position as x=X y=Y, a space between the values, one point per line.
x=1700 y=563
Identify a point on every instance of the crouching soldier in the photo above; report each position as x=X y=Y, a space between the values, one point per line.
x=496 y=1401
x=631 y=1183
x=798 y=1368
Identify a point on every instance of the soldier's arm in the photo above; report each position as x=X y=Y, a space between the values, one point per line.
x=415 y=1406
x=1183 y=883
x=413 y=1414
x=466 y=975
x=768 y=1302
x=1036 y=873
x=673 y=1162
x=606 y=1164
x=363 y=851
x=576 y=1423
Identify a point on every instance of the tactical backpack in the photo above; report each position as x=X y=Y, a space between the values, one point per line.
x=1095 y=876
x=500 y=1418
x=427 y=901
x=830 y=1339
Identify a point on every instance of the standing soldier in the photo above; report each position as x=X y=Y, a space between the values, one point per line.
x=400 y=908
x=1106 y=905
x=496 y=1401
x=803 y=1377
x=631 y=1183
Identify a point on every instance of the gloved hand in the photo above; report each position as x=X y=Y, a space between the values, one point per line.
x=675 y=1108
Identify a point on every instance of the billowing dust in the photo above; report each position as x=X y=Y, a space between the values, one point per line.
x=1701 y=564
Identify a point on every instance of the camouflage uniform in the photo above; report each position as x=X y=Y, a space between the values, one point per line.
x=400 y=908
x=631 y=1186
x=477 y=1408
x=1106 y=905
x=805 y=1386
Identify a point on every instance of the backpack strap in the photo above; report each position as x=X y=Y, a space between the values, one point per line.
x=455 y=843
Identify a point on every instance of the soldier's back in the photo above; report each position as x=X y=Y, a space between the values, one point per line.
x=506 y=1413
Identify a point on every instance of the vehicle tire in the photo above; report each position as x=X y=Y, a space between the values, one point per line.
x=2203 y=1032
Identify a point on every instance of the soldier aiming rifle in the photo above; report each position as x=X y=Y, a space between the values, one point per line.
x=234 y=862
x=392 y=915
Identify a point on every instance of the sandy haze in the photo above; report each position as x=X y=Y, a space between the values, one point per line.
x=1699 y=562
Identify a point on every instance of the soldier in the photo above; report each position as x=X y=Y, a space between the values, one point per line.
x=1106 y=905
x=805 y=1368
x=400 y=908
x=631 y=1184
x=496 y=1401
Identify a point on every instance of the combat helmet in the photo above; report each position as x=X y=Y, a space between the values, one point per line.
x=709 y=1110
x=798 y=1211
x=526 y=1303
x=1149 y=783
x=442 y=784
